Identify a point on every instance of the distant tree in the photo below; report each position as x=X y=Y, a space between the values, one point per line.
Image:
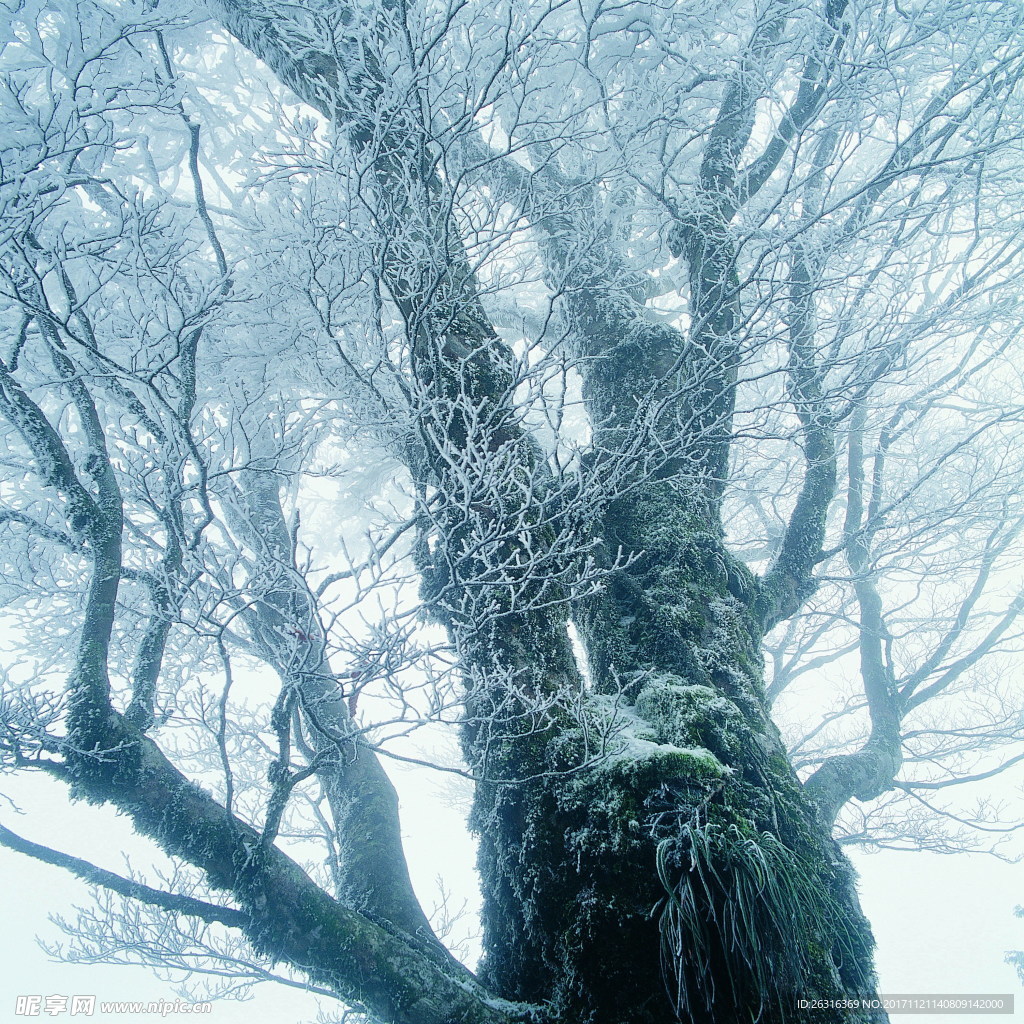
x=546 y=368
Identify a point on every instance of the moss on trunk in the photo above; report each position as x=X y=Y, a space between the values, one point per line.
x=685 y=876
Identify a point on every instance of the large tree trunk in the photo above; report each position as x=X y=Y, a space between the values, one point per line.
x=755 y=903
x=688 y=874
x=684 y=876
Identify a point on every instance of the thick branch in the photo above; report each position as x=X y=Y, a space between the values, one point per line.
x=364 y=805
x=285 y=914
x=810 y=97
x=176 y=903
x=789 y=581
x=870 y=771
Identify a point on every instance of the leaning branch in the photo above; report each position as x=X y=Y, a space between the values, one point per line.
x=870 y=771
x=790 y=580
x=127 y=887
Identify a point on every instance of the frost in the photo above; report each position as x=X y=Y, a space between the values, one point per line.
x=376 y=378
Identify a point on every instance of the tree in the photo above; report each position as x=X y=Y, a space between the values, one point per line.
x=612 y=294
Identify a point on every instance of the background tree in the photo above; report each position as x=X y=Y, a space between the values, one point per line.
x=655 y=324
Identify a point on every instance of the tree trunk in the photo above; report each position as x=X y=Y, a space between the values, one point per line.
x=684 y=876
x=755 y=903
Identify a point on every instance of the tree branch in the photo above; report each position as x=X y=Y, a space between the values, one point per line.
x=127 y=887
